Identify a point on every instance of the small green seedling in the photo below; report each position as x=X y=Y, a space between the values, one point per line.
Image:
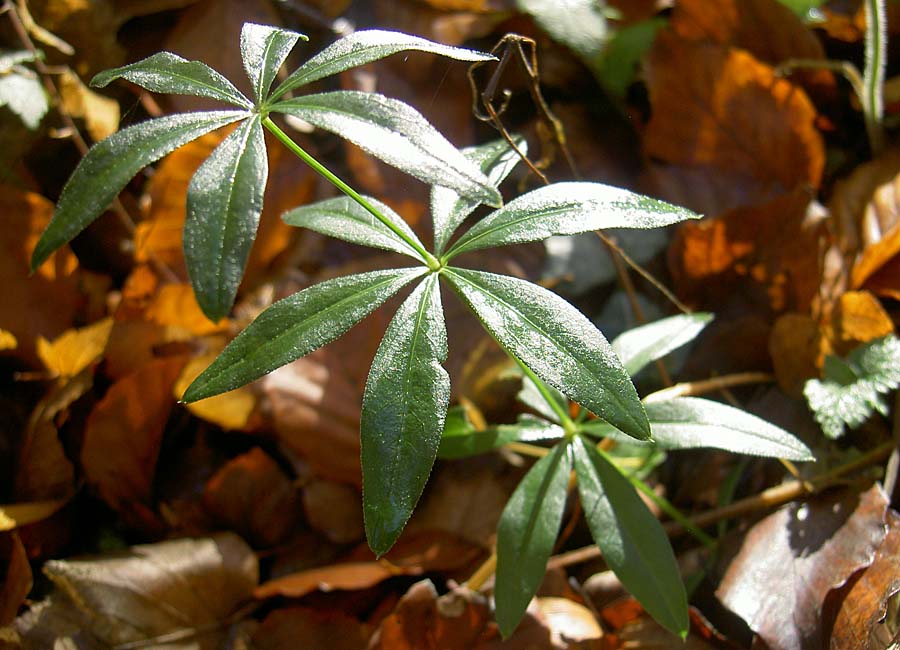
x=633 y=542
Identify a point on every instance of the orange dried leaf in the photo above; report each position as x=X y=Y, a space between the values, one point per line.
x=76 y=349
x=858 y=318
x=798 y=348
x=717 y=106
x=15 y=515
x=349 y=576
x=123 y=433
x=231 y=410
x=175 y=305
x=304 y=627
x=7 y=341
x=16 y=583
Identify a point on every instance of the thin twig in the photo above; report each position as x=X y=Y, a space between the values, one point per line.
x=708 y=385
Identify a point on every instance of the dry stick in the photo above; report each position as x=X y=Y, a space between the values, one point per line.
x=80 y=143
x=771 y=498
x=708 y=385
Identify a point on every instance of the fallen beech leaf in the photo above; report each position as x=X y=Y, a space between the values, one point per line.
x=791 y=560
x=763 y=256
x=43 y=471
x=632 y=627
x=862 y=619
x=252 y=496
x=458 y=620
x=45 y=303
x=175 y=305
x=569 y=622
x=231 y=410
x=722 y=107
x=427 y=551
x=798 y=348
x=334 y=509
x=304 y=627
x=100 y=114
x=7 y=341
x=766 y=28
x=176 y=587
x=122 y=437
x=131 y=345
x=350 y=576
x=74 y=350
x=16 y=582
x=858 y=318
x=14 y=515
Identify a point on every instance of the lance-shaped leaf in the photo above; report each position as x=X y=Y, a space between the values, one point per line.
x=111 y=163
x=557 y=342
x=633 y=543
x=263 y=50
x=642 y=345
x=344 y=218
x=568 y=209
x=689 y=422
x=224 y=201
x=403 y=413
x=364 y=47
x=296 y=326
x=169 y=73
x=526 y=533
x=397 y=134
x=449 y=209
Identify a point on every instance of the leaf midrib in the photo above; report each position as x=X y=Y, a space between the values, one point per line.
x=540 y=330
x=221 y=91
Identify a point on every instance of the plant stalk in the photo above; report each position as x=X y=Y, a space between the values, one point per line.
x=873 y=73
x=332 y=178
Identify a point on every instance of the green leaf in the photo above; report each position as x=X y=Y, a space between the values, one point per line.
x=531 y=397
x=403 y=411
x=111 y=163
x=364 y=47
x=297 y=325
x=224 y=201
x=24 y=95
x=633 y=542
x=397 y=134
x=577 y=24
x=526 y=533
x=448 y=209
x=461 y=439
x=618 y=67
x=641 y=345
x=556 y=342
x=689 y=422
x=344 y=218
x=263 y=50
x=567 y=209
x=852 y=391
x=169 y=73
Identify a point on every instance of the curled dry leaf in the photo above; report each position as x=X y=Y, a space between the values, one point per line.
x=791 y=560
x=122 y=437
x=188 y=587
x=251 y=495
x=723 y=108
x=349 y=576
x=863 y=620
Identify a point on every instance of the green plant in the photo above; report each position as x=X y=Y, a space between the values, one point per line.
x=633 y=542
x=407 y=393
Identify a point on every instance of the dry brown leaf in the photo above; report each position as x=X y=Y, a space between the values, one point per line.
x=791 y=560
x=43 y=470
x=862 y=621
x=251 y=495
x=75 y=349
x=764 y=256
x=349 y=576
x=858 y=318
x=798 y=348
x=122 y=437
x=571 y=623
x=7 y=341
x=183 y=586
x=45 y=303
x=175 y=305
x=100 y=114
x=303 y=627
x=334 y=509
x=231 y=410
x=632 y=627
x=16 y=582
x=722 y=107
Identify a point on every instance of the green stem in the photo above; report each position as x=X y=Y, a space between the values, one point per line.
x=666 y=506
x=328 y=175
x=564 y=419
x=873 y=74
